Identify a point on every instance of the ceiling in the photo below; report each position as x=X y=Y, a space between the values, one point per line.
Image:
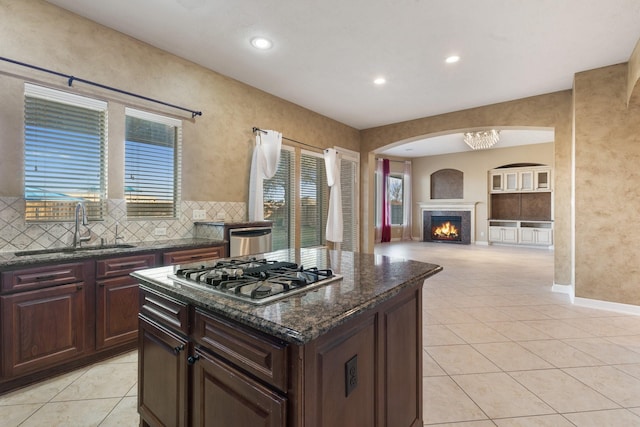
x=326 y=54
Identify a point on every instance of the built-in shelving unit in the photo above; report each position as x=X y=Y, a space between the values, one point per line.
x=521 y=206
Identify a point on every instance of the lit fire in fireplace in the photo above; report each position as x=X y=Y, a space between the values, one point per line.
x=446 y=231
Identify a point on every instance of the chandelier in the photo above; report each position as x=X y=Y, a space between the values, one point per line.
x=482 y=139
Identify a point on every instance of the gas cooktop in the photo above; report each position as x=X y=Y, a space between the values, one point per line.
x=256 y=281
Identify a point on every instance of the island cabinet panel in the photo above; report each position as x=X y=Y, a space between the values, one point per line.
x=42 y=328
x=365 y=370
x=256 y=353
x=225 y=396
x=162 y=371
x=402 y=332
x=341 y=376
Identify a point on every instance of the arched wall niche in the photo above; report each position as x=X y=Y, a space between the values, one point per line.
x=447 y=184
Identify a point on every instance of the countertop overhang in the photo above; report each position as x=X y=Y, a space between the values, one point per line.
x=367 y=280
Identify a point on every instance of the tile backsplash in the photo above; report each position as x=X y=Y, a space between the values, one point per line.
x=16 y=234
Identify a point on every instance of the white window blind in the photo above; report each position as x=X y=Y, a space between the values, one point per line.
x=349 y=171
x=152 y=164
x=279 y=197
x=65 y=152
x=314 y=199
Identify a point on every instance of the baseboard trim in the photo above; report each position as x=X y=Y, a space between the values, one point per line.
x=608 y=305
x=564 y=289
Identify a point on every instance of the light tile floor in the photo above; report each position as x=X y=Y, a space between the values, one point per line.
x=500 y=349
x=104 y=394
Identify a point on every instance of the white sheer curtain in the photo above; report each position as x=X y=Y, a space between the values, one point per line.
x=264 y=164
x=406 y=203
x=378 y=198
x=334 y=228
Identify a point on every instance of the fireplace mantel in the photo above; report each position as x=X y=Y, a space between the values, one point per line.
x=440 y=205
x=450 y=206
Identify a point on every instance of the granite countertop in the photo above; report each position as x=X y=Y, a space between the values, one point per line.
x=11 y=260
x=367 y=281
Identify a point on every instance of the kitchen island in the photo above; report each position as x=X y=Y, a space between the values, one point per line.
x=348 y=353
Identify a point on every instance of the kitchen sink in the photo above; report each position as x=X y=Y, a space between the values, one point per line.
x=73 y=250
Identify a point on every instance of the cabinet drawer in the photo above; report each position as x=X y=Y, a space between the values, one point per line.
x=259 y=355
x=40 y=277
x=124 y=265
x=164 y=310
x=192 y=255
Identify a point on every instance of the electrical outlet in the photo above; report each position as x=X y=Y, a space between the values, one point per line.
x=350 y=375
x=160 y=231
x=199 y=214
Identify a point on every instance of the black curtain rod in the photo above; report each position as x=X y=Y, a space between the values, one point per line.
x=255 y=129
x=71 y=79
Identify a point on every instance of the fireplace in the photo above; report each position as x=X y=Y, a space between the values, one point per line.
x=446 y=228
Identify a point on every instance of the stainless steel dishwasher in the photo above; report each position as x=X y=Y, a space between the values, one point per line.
x=249 y=241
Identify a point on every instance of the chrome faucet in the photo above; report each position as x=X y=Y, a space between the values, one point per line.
x=117 y=237
x=77 y=239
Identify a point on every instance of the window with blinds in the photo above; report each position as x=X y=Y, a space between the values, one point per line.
x=314 y=200
x=65 y=151
x=151 y=164
x=349 y=170
x=279 y=205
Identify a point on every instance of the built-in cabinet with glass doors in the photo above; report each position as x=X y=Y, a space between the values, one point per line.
x=521 y=206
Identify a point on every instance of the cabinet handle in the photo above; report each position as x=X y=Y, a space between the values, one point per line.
x=78 y=288
x=49 y=277
x=178 y=349
x=192 y=359
x=127 y=266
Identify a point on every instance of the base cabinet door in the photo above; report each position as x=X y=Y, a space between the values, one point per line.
x=116 y=311
x=42 y=328
x=223 y=396
x=162 y=382
x=503 y=234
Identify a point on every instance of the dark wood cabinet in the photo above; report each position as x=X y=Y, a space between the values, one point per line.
x=117 y=299
x=42 y=328
x=341 y=387
x=162 y=367
x=225 y=396
x=192 y=255
x=365 y=372
x=116 y=311
x=57 y=317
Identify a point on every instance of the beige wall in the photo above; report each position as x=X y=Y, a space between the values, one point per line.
x=474 y=165
x=216 y=146
x=607 y=200
x=545 y=111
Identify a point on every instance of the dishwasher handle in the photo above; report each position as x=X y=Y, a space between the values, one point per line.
x=250 y=232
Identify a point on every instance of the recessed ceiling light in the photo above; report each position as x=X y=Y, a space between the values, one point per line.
x=380 y=81
x=261 y=43
x=452 y=59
